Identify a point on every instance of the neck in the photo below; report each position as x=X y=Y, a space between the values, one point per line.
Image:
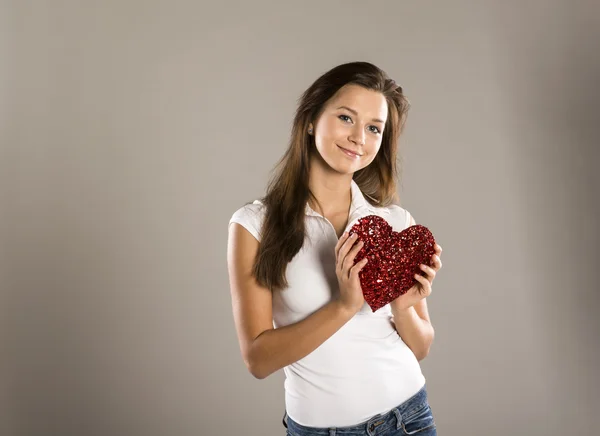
x=332 y=189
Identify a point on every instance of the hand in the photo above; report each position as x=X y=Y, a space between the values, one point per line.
x=423 y=287
x=351 y=295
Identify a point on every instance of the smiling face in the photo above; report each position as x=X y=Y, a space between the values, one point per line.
x=349 y=131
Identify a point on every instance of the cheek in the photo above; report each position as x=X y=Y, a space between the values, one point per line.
x=328 y=135
x=373 y=147
x=331 y=129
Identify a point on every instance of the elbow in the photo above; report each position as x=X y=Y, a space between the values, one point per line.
x=256 y=372
x=422 y=355
x=257 y=365
x=253 y=366
x=424 y=352
x=259 y=373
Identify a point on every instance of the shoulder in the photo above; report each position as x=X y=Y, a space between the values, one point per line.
x=254 y=208
x=251 y=217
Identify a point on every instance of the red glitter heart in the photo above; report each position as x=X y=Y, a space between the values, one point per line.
x=394 y=258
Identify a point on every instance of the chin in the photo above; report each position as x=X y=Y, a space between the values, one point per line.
x=346 y=167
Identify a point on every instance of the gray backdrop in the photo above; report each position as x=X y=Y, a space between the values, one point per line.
x=132 y=130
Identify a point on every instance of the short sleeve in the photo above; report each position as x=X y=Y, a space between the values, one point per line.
x=250 y=217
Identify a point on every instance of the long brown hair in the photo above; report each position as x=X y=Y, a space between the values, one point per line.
x=283 y=230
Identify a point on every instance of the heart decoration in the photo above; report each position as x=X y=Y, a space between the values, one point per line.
x=394 y=258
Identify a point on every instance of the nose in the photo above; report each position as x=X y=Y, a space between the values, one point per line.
x=357 y=136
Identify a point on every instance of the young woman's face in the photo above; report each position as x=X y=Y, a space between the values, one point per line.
x=348 y=133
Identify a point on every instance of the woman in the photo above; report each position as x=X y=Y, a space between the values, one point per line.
x=296 y=294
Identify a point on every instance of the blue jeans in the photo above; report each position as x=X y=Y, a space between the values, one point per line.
x=411 y=417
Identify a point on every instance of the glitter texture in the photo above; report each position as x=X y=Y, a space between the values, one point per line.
x=394 y=258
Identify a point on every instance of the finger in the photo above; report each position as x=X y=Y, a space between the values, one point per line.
x=426 y=286
x=429 y=271
x=349 y=259
x=347 y=246
x=340 y=241
x=359 y=265
x=344 y=249
x=339 y=244
x=417 y=289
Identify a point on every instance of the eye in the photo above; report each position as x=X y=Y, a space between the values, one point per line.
x=342 y=117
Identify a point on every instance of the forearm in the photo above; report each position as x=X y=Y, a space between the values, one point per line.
x=416 y=332
x=276 y=348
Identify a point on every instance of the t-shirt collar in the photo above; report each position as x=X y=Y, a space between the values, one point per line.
x=358 y=204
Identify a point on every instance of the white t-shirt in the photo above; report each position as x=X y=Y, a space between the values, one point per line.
x=364 y=368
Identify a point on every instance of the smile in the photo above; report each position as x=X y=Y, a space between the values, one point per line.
x=349 y=153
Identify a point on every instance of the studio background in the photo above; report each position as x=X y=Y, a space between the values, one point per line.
x=132 y=130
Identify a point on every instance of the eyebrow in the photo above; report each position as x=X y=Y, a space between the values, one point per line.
x=377 y=120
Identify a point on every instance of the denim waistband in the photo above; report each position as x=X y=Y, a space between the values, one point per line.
x=378 y=423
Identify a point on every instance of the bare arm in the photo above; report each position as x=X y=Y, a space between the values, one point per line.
x=264 y=349
x=416 y=332
x=276 y=348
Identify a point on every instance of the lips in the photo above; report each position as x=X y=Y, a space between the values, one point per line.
x=349 y=151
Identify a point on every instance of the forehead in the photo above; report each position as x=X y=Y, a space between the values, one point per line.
x=366 y=102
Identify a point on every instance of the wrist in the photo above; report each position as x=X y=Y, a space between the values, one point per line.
x=343 y=309
x=400 y=311
x=399 y=304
